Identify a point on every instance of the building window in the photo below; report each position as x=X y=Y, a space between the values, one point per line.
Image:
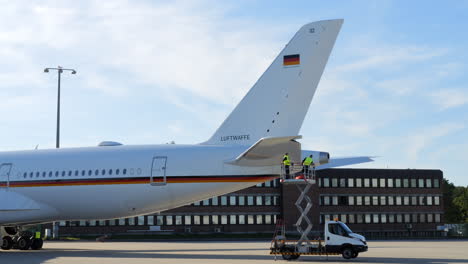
x=82 y=223
x=430 y=218
x=343 y=218
x=259 y=200
x=367 y=200
x=375 y=218
x=241 y=219
x=334 y=182
x=326 y=182
x=351 y=219
x=407 y=218
x=206 y=202
x=214 y=219
x=268 y=219
x=214 y=201
x=141 y=220
x=398 y=200
x=429 y=200
x=223 y=200
x=187 y=219
x=121 y=221
x=383 y=218
x=232 y=200
x=350 y=182
x=437 y=218
x=406 y=200
x=422 y=200
x=391 y=200
x=268 y=200
x=250 y=219
x=436 y=183
x=397 y=183
x=414 y=218
x=343 y=200
x=428 y=183
x=390 y=182
x=159 y=220
x=326 y=200
x=259 y=185
x=382 y=182
x=383 y=200
x=414 y=183
x=391 y=218
x=233 y=219
x=358 y=200
x=250 y=200
x=375 y=182
x=351 y=200
x=406 y=183
x=224 y=219
x=268 y=184
x=112 y=222
x=436 y=200
x=206 y=219
x=375 y=200
x=342 y=182
x=259 y=219
x=197 y=203
x=366 y=182
x=276 y=200
x=196 y=220
x=178 y=220
x=169 y=220
x=399 y=218
x=335 y=200
x=414 y=200
x=150 y=220
x=421 y=183
x=359 y=218
x=368 y=218
x=422 y=218
x=242 y=200
x=358 y=182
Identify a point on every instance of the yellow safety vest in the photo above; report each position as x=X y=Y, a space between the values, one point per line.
x=308 y=161
x=287 y=161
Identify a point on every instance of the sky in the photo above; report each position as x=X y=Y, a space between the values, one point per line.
x=151 y=72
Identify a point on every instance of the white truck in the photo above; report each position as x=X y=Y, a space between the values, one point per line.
x=339 y=239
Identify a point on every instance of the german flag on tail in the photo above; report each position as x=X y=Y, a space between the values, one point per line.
x=290 y=60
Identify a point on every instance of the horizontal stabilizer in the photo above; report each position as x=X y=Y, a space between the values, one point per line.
x=269 y=152
x=344 y=161
x=12 y=201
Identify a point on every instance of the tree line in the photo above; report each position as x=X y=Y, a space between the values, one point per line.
x=455 y=203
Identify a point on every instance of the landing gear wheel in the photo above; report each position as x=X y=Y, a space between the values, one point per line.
x=288 y=254
x=37 y=243
x=347 y=253
x=7 y=243
x=24 y=243
x=355 y=254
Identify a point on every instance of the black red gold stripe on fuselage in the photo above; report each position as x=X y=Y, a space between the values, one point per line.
x=137 y=180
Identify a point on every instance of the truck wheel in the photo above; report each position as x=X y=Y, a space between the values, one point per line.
x=37 y=243
x=347 y=253
x=24 y=243
x=7 y=243
x=355 y=254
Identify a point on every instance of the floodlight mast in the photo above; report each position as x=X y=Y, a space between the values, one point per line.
x=59 y=70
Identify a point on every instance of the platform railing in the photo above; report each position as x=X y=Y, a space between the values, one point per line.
x=297 y=174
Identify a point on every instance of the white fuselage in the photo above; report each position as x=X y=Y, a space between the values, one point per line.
x=82 y=183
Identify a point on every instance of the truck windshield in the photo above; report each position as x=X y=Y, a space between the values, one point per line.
x=346 y=228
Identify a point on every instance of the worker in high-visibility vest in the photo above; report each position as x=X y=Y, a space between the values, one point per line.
x=286 y=164
x=306 y=163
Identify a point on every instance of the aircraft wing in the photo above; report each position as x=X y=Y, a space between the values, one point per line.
x=269 y=151
x=344 y=161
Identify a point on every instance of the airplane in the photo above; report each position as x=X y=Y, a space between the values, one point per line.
x=113 y=180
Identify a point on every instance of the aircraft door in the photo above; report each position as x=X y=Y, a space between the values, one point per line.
x=5 y=170
x=158 y=171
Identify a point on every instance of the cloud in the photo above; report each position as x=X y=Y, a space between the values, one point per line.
x=449 y=98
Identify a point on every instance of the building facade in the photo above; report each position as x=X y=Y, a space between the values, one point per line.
x=379 y=203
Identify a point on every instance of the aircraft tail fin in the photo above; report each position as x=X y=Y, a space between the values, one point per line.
x=278 y=102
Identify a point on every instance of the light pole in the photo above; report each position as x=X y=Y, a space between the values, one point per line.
x=59 y=70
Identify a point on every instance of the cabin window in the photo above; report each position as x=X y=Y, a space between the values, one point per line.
x=103 y=172
x=90 y=172
x=63 y=173
x=117 y=172
x=43 y=174
x=132 y=171
x=83 y=173
x=124 y=171
x=56 y=174
x=110 y=172
x=139 y=171
x=70 y=173
x=25 y=175
x=50 y=174
x=96 y=172
x=76 y=173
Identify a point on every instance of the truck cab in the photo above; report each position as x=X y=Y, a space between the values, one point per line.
x=339 y=238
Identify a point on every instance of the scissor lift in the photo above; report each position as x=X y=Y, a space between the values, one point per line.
x=292 y=249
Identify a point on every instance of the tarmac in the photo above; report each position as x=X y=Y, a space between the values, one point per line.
x=193 y=252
